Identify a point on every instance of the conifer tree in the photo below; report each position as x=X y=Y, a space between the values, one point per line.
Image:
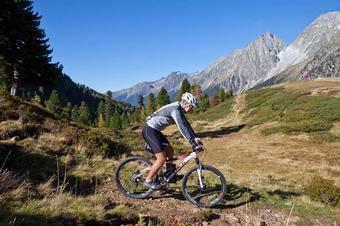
x=142 y=115
x=101 y=108
x=69 y=108
x=115 y=122
x=215 y=99
x=54 y=104
x=66 y=112
x=197 y=92
x=101 y=122
x=109 y=94
x=163 y=97
x=205 y=103
x=84 y=113
x=124 y=120
x=36 y=99
x=24 y=50
x=108 y=108
x=140 y=101
x=229 y=94
x=222 y=95
x=151 y=104
x=185 y=87
x=75 y=114
x=134 y=116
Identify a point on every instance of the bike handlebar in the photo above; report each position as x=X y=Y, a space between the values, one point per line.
x=198 y=148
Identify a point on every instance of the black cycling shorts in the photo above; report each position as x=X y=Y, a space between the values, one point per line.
x=155 y=139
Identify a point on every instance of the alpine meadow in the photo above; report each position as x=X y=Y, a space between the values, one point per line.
x=268 y=113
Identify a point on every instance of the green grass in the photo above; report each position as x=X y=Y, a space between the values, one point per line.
x=295 y=112
x=215 y=112
x=325 y=137
x=304 y=208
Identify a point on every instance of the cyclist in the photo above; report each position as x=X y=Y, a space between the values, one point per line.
x=173 y=113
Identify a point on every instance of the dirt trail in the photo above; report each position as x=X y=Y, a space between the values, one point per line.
x=257 y=162
x=233 y=118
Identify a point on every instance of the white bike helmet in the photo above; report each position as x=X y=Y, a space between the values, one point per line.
x=191 y=99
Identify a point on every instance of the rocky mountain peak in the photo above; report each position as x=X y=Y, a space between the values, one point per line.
x=243 y=67
x=320 y=31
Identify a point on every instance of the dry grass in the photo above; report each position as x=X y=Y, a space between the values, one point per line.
x=12 y=188
x=9 y=124
x=274 y=162
x=284 y=162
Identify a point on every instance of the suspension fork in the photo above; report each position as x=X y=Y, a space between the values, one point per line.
x=199 y=171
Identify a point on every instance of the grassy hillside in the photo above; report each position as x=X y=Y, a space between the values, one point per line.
x=277 y=147
x=53 y=171
x=282 y=143
x=295 y=111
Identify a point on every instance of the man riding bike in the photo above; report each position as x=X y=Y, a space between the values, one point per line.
x=173 y=113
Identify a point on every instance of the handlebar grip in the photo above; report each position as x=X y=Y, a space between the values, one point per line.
x=198 y=148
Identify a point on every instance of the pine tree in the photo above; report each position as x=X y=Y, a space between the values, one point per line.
x=222 y=95
x=124 y=121
x=115 y=122
x=185 y=87
x=75 y=114
x=109 y=94
x=108 y=111
x=54 y=104
x=197 y=92
x=151 y=104
x=66 y=112
x=36 y=99
x=205 y=103
x=84 y=113
x=101 y=122
x=69 y=108
x=142 y=116
x=101 y=108
x=215 y=99
x=24 y=50
x=163 y=97
x=229 y=94
x=140 y=101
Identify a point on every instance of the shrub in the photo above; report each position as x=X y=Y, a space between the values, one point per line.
x=204 y=215
x=320 y=189
x=300 y=126
x=325 y=137
x=97 y=143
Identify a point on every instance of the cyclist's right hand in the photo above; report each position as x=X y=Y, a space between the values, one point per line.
x=198 y=148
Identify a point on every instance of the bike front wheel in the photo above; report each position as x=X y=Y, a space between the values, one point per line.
x=130 y=176
x=205 y=187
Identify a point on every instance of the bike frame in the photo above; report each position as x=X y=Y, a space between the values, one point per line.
x=191 y=156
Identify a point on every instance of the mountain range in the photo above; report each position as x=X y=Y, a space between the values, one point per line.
x=266 y=61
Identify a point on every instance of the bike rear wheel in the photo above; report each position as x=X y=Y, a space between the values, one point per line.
x=212 y=191
x=130 y=176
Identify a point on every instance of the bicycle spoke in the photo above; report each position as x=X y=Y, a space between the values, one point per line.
x=211 y=192
x=131 y=176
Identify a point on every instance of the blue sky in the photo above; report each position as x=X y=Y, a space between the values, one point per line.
x=114 y=44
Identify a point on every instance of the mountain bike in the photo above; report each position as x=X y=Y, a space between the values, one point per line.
x=202 y=185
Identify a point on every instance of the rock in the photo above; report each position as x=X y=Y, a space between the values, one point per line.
x=232 y=219
x=205 y=223
x=261 y=223
x=15 y=138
